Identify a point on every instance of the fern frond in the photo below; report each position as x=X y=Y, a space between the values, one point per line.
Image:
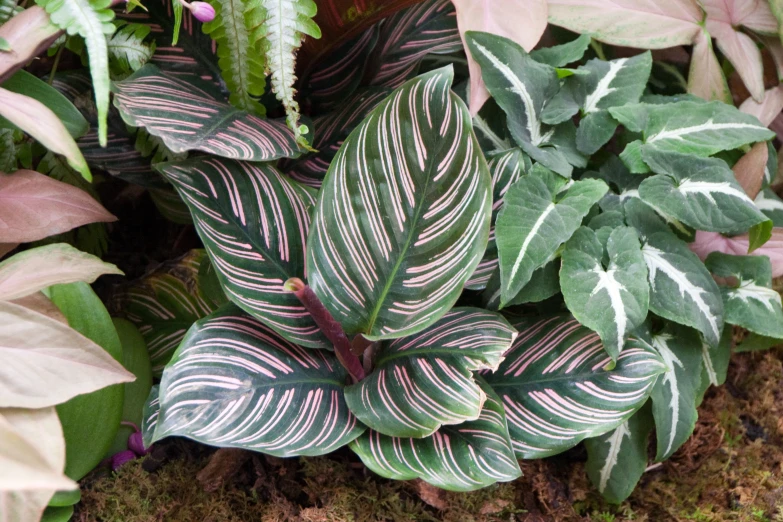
x=283 y=25
x=7 y=10
x=239 y=53
x=90 y=19
x=128 y=51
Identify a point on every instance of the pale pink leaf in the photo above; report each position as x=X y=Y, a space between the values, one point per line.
x=645 y=24
x=705 y=77
x=35 y=269
x=772 y=44
x=708 y=242
x=744 y=55
x=522 y=21
x=44 y=362
x=749 y=170
x=34 y=206
x=753 y=14
x=768 y=109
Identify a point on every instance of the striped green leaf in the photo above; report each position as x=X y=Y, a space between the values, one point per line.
x=253 y=222
x=187 y=118
x=771 y=205
x=235 y=383
x=557 y=391
x=604 y=283
x=539 y=214
x=464 y=457
x=164 y=304
x=425 y=380
x=403 y=215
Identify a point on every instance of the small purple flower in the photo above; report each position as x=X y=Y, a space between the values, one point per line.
x=118 y=459
x=202 y=11
x=136 y=444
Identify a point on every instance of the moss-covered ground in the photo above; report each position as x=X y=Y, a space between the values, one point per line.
x=730 y=470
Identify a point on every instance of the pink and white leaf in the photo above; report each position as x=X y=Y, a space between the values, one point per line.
x=705 y=78
x=708 y=242
x=768 y=109
x=744 y=55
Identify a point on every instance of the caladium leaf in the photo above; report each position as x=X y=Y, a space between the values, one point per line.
x=521 y=86
x=705 y=76
x=403 y=215
x=164 y=304
x=617 y=460
x=748 y=297
x=253 y=222
x=700 y=192
x=606 y=84
x=771 y=205
x=464 y=457
x=534 y=221
x=681 y=289
x=604 y=283
x=689 y=127
x=187 y=118
x=674 y=395
x=505 y=168
x=235 y=383
x=562 y=55
x=424 y=381
x=557 y=391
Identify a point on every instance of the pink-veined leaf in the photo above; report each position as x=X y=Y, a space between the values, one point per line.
x=645 y=24
x=35 y=269
x=522 y=21
x=753 y=14
x=768 y=109
x=743 y=53
x=749 y=170
x=705 y=77
x=29 y=33
x=34 y=206
x=708 y=242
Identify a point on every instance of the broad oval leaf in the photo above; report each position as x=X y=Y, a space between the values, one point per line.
x=425 y=380
x=253 y=222
x=403 y=215
x=464 y=457
x=234 y=383
x=557 y=391
x=188 y=118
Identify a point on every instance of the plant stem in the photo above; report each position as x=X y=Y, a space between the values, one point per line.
x=56 y=61
x=330 y=328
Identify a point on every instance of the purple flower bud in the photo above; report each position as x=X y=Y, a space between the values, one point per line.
x=118 y=459
x=201 y=10
x=136 y=444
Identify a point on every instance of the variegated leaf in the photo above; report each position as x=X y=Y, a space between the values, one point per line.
x=539 y=214
x=464 y=457
x=681 y=288
x=748 y=296
x=604 y=282
x=234 y=383
x=715 y=362
x=187 y=118
x=563 y=54
x=674 y=395
x=253 y=222
x=403 y=215
x=164 y=304
x=505 y=168
x=424 y=381
x=617 y=460
x=768 y=202
x=557 y=391
x=700 y=192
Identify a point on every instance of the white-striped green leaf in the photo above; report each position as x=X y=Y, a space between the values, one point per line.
x=187 y=118
x=505 y=168
x=681 y=288
x=617 y=460
x=234 y=383
x=543 y=284
x=404 y=212
x=771 y=205
x=521 y=86
x=689 y=127
x=748 y=297
x=465 y=457
x=674 y=395
x=253 y=222
x=604 y=283
x=424 y=381
x=700 y=192
x=556 y=390
x=715 y=362
x=534 y=221
x=563 y=54
x=164 y=304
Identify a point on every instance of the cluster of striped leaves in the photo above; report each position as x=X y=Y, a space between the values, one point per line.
x=511 y=287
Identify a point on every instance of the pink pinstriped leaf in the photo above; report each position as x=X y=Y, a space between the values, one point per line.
x=188 y=118
x=424 y=381
x=464 y=457
x=403 y=215
x=253 y=222
x=556 y=390
x=235 y=383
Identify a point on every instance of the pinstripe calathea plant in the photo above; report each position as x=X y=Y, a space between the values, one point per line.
x=446 y=293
